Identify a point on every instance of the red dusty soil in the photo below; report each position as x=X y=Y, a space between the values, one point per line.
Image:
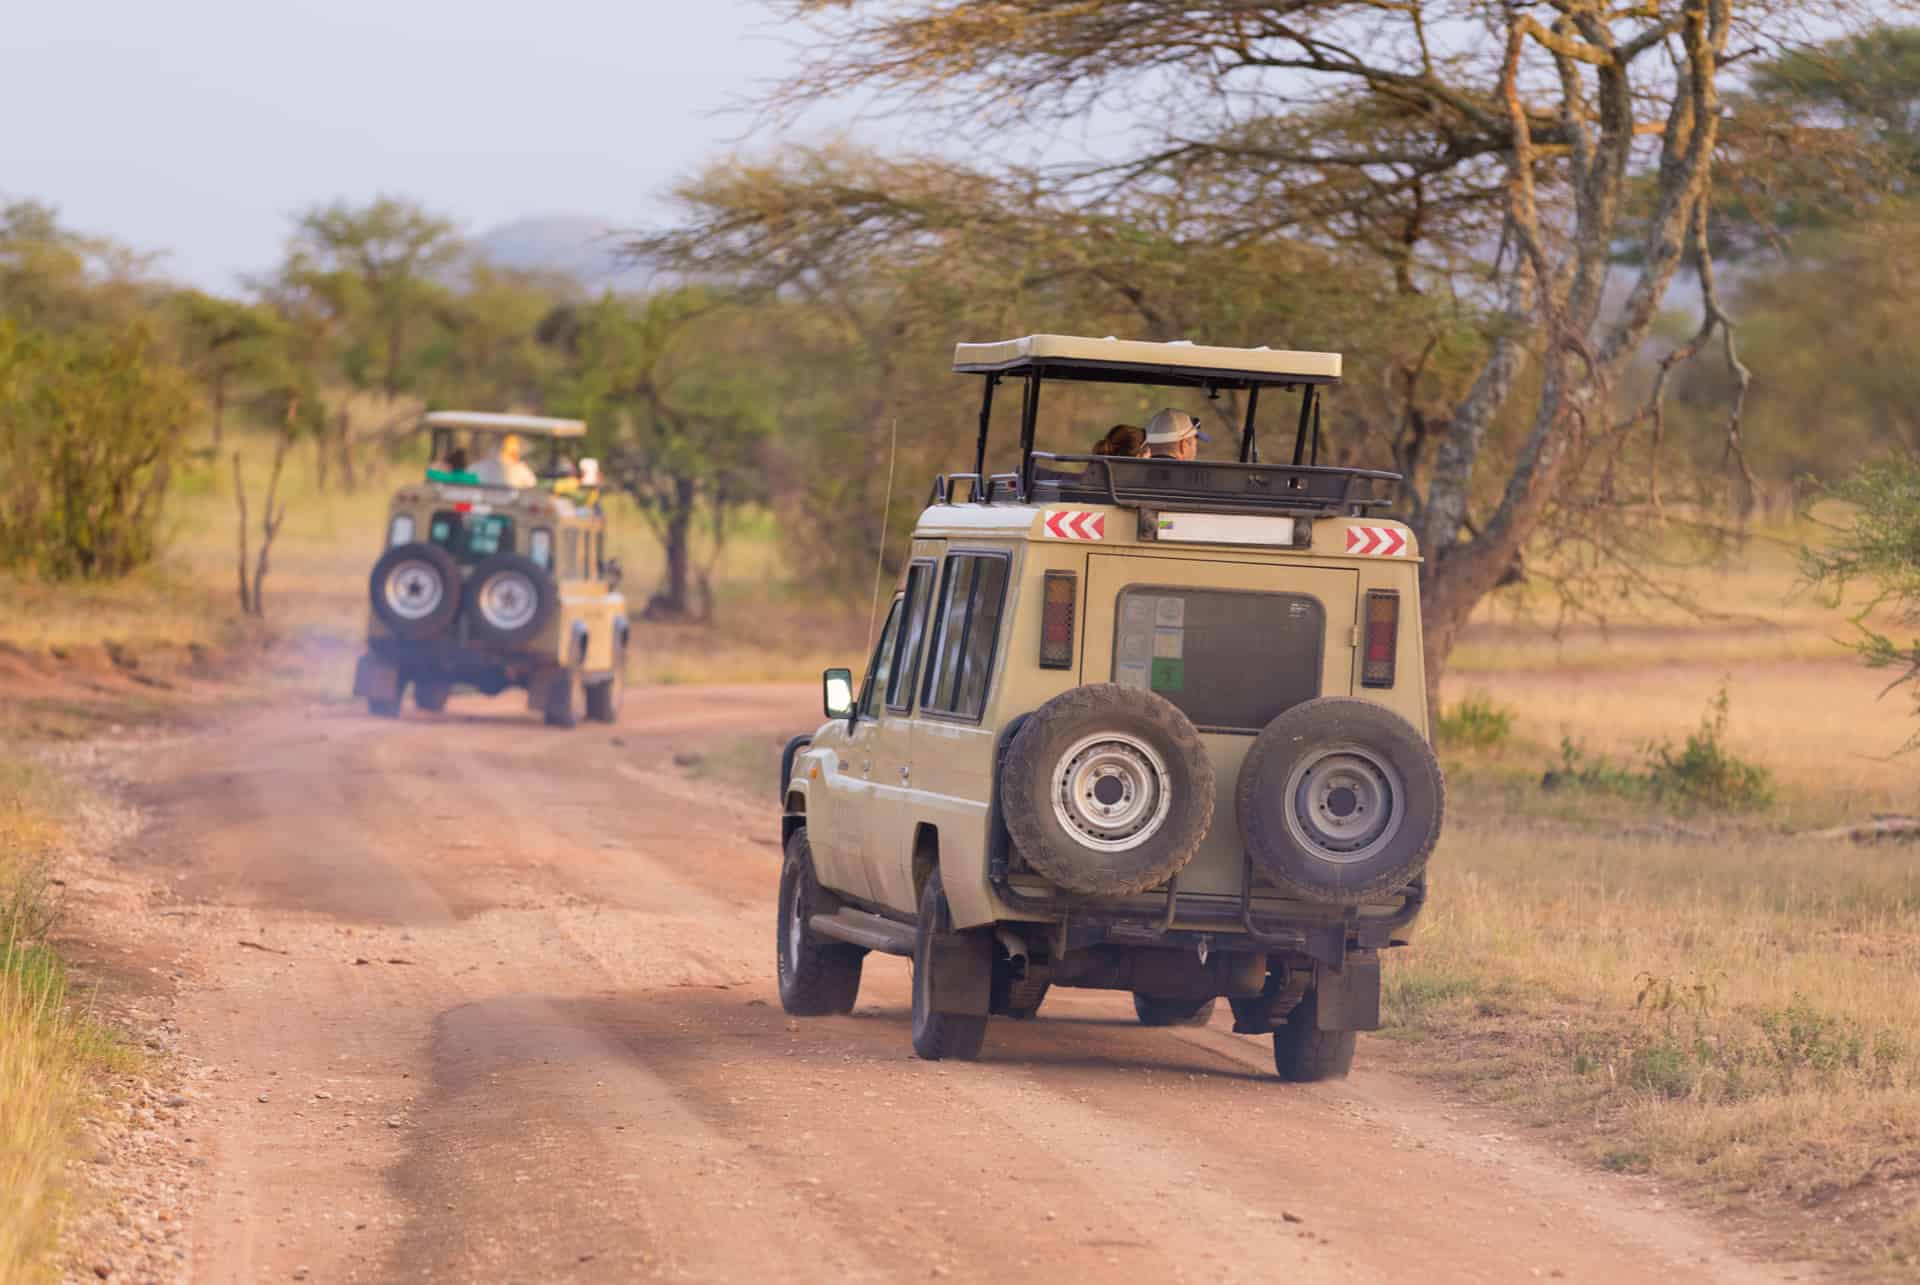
x=471 y=999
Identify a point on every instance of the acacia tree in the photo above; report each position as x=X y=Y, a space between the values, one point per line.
x=226 y=340
x=676 y=413
x=1485 y=145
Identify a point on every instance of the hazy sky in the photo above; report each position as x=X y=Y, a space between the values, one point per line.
x=198 y=126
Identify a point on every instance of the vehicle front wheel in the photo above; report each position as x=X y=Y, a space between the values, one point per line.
x=1172 y=1012
x=939 y=1035
x=1304 y=1053
x=816 y=977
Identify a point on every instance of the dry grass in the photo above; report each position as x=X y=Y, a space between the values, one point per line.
x=46 y=1051
x=1722 y=1002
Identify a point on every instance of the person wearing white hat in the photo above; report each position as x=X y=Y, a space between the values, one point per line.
x=1174 y=435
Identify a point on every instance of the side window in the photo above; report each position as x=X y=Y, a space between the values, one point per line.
x=599 y=567
x=907 y=667
x=570 y=554
x=882 y=667
x=401 y=530
x=540 y=547
x=971 y=600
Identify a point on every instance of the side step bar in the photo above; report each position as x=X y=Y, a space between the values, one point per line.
x=875 y=932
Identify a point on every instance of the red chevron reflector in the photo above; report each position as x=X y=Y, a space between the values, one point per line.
x=1072 y=524
x=1376 y=541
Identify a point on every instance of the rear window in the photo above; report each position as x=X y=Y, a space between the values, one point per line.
x=470 y=537
x=1230 y=661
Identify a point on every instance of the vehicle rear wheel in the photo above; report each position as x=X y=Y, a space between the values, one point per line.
x=563 y=699
x=939 y=1035
x=384 y=708
x=816 y=977
x=605 y=698
x=1172 y=1012
x=1023 y=1004
x=430 y=694
x=1107 y=790
x=1303 y=1053
x=1340 y=800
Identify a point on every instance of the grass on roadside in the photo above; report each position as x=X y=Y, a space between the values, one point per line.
x=1705 y=994
x=47 y=1050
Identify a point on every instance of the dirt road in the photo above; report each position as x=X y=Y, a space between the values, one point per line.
x=480 y=1001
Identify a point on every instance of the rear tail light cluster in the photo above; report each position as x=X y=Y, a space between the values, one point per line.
x=1380 y=638
x=1061 y=594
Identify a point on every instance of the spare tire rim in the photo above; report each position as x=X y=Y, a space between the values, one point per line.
x=1110 y=791
x=1345 y=804
x=508 y=600
x=414 y=589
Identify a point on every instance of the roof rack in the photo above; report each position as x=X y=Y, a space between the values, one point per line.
x=1203 y=486
x=490 y=422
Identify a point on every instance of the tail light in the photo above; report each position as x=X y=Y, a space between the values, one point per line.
x=1381 y=639
x=1061 y=593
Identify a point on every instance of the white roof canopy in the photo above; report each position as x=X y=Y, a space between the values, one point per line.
x=1134 y=360
x=488 y=422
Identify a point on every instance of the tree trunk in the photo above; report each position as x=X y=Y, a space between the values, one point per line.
x=219 y=406
x=679 y=547
x=343 y=437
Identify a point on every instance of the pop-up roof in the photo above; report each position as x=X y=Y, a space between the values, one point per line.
x=488 y=422
x=1181 y=363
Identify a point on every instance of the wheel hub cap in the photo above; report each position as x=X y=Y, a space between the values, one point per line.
x=508 y=601
x=1345 y=804
x=1110 y=791
x=414 y=590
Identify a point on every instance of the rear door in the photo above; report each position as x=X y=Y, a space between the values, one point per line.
x=1231 y=644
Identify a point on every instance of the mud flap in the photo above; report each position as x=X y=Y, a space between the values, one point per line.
x=962 y=979
x=539 y=685
x=375 y=679
x=1349 y=1000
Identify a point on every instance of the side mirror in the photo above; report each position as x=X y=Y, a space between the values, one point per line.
x=611 y=570
x=837 y=692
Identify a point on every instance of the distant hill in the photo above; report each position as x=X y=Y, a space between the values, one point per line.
x=586 y=249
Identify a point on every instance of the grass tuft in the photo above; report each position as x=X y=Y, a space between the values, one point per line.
x=1475 y=723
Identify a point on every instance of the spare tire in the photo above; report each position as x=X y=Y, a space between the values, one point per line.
x=1107 y=790
x=1340 y=800
x=415 y=590
x=509 y=597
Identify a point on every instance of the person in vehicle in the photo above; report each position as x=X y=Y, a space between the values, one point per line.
x=504 y=467
x=1174 y=435
x=1127 y=440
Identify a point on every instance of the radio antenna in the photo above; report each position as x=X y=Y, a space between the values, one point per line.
x=880 y=554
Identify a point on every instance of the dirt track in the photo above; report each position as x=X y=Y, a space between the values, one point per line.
x=524 y=1027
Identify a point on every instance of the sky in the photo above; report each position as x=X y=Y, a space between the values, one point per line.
x=199 y=127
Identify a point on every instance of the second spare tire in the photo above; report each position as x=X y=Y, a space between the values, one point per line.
x=1340 y=800
x=509 y=597
x=1107 y=790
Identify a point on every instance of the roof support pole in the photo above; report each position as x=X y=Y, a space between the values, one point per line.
x=986 y=419
x=1307 y=408
x=1249 y=450
x=1029 y=415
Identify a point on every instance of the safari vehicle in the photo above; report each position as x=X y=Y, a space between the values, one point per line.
x=495 y=585
x=1131 y=724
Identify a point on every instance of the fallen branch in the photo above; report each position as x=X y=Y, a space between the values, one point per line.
x=1878 y=830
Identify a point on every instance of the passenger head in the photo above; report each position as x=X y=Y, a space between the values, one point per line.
x=510 y=448
x=457 y=460
x=1128 y=440
x=1174 y=435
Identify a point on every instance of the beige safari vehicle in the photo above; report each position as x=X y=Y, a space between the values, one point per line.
x=1132 y=724
x=496 y=576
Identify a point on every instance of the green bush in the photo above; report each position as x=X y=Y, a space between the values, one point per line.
x=1475 y=723
x=1702 y=773
x=91 y=425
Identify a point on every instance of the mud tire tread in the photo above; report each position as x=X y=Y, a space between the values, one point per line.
x=1303 y=875
x=1305 y=1054
x=825 y=979
x=1037 y=835
x=938 y=1036
x=1172 y=1012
